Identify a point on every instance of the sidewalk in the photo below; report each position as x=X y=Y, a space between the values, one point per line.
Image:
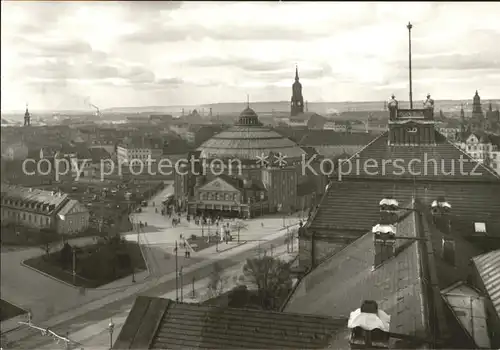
x=138 y=288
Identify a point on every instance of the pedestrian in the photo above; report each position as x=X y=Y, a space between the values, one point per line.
x=185 y=244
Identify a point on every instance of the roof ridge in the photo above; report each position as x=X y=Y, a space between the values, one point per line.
x=369 y=144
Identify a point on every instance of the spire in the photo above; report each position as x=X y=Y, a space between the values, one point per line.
x=248 y=101
x=296 y=73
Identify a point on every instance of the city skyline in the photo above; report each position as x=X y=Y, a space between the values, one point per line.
x=64 y=55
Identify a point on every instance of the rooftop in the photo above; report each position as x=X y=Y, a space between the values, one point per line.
x=247 y=140
x=334 y=138
x=353 y=205
x=155 y=323
x=396 y=285
x=33 y=195
x=487 y=266
x=438 y=162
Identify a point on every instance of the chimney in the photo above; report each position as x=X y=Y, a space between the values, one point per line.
x=441 y=209
x=384 y=241
x=369 y=327
x=441 y=217
x=389 y=208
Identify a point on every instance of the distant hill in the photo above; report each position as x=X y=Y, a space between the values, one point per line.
x=265 y=108
x=284 y=106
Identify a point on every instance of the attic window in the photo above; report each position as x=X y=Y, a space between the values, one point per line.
x=479 y=227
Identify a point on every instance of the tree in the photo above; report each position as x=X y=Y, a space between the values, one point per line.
x=272 y=278
x=238 y=226
x=66 y=256
x=46 y=238
x=217 y=281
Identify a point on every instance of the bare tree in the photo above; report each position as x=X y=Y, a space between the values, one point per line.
x=272 y=278
x=46 y=240
x=217 y=281
x=238 y=226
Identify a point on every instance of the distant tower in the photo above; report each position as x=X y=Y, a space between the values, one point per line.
x=183 y=112
x=297 y=105
x=477 y=114
x=307 y=107
x=477 y=110
x=463 y=127
x=210 y=112
x=27 y=117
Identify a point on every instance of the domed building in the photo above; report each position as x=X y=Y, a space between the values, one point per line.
x=247 y=140
x=249 y=170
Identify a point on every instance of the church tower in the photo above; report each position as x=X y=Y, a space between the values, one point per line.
x=463 y=126
x=477 y=110
x=27 y=117
x=297 y=105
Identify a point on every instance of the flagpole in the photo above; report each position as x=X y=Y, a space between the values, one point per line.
x=176 y=275
x=410 y=26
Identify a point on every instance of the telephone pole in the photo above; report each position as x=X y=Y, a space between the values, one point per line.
x=410 y=26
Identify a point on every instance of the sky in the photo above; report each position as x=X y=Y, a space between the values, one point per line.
x=68 y=55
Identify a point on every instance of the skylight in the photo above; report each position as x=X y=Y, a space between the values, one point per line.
x=480 y=227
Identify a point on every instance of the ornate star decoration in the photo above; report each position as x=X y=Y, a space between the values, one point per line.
x=280 y=160
x=262 y=160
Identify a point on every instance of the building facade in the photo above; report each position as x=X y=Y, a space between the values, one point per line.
x=16 y=151
x=482 y=147
x=254 y=157
x=39 y=209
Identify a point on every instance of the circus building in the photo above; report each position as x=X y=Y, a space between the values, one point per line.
x=249 y=170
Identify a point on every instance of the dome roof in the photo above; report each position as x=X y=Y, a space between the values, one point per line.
x=249 y=139
x=246 y=142
x=248 y=117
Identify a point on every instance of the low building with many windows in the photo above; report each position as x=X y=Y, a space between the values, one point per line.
x=41 y=209
x=482 y=147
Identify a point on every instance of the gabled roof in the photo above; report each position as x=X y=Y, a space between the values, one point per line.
x=488 y=267
x=334 y=138
x=439 y=162
x=155 y=323
x=339 y=285
x=71 y=207
x=353 y=205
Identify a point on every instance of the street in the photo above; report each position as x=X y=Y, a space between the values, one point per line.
x=65 y=309
x=99 y=318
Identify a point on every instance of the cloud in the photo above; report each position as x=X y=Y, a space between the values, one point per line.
x=244 y=63
x=171 y=33
x=453 y=62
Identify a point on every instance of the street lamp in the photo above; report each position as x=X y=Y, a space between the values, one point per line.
x=111 y=328
x=74 y=266
x=182 y=283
